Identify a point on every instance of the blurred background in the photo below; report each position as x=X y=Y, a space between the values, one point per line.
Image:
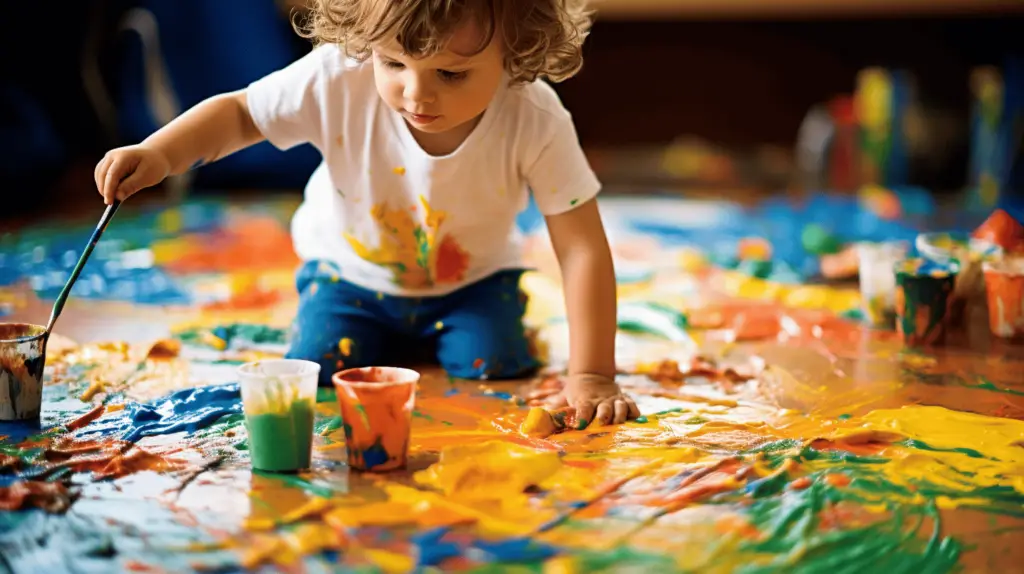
x=714 y=97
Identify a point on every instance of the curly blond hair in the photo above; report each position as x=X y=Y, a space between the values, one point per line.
x=541 y=38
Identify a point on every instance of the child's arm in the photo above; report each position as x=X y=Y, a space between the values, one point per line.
x=213 y=129
x=588 y=276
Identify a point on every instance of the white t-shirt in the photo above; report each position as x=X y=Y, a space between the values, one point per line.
x=395 y=219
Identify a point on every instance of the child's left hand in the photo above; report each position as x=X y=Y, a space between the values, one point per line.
x=597 y=398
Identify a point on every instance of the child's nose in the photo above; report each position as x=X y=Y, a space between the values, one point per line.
x=418 y=91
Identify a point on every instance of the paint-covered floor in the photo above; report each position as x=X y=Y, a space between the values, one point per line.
x=778 y=434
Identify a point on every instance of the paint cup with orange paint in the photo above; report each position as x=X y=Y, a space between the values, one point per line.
x=924 y=296
x=279 y=402
x=376 y=410
x=877 y=280
x=1004 y=286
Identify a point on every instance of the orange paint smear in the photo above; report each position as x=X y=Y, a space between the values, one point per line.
x=49 y=496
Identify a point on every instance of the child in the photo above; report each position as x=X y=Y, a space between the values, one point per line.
x=433 y=128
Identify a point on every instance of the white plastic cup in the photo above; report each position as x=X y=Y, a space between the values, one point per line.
x=877 y=280
x=279 y=402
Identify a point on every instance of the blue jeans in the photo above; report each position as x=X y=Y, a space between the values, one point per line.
x=476 y=332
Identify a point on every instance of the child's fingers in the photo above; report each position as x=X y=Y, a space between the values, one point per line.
x=621 y=411
x=585 y=412
x=634 y=411
x=100 y=173
x=131 y=184
x=605 y=412
x=113 y=178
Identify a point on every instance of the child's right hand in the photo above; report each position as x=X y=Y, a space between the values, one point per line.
x=126 y=170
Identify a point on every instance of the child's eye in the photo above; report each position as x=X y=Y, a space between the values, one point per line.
x=451 y=76
x=393 y=64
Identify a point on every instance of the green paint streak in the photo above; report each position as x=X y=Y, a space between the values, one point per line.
x=422 y=248
x=641 y=419
x=844 y=417
x=653 y=319
x=670 y=411
x=622 y=559
x=282 y=442
x=776 y=446
x=794 y=539
x=853 y=315
x=581 y=424
x=838 y=456
x=221 y=426
x=769 y=486
x=422 y=415
x=327 y=425
x=238 y=333
x=927 y=293
x=326 y=395
x=362 y=415
x=310 y=484
x=697 y=420
x=989 y=386
x=920 y=445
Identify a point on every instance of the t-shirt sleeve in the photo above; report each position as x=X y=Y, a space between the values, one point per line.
x=560 y=177
x=287 y=105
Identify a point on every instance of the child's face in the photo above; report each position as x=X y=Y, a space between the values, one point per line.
x=442 y=92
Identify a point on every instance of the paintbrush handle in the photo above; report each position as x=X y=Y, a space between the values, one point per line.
x=58 y=304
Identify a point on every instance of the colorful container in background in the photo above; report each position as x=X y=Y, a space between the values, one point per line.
x=969 y=254
x=278 y=399
x=883 y=101
x=877 y=281
x=996 y=169
x=1004 y=284
x=376 y=410
x=924 y=295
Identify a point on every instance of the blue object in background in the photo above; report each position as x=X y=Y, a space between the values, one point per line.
x=996 y=177
x=175 y=54
x=897 y=165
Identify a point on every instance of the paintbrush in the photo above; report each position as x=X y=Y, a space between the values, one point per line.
x=62 y=298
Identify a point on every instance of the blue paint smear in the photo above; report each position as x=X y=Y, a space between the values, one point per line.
x=432 y=550
x=499 y=395
x=187 y=410
x=376 y=455
x=515 y=550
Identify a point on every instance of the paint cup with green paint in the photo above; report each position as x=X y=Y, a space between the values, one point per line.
x=376 y=407
x=278 y=399
x=877 y=281
x=924 y=296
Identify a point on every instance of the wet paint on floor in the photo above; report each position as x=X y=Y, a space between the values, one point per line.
x=778 y=435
